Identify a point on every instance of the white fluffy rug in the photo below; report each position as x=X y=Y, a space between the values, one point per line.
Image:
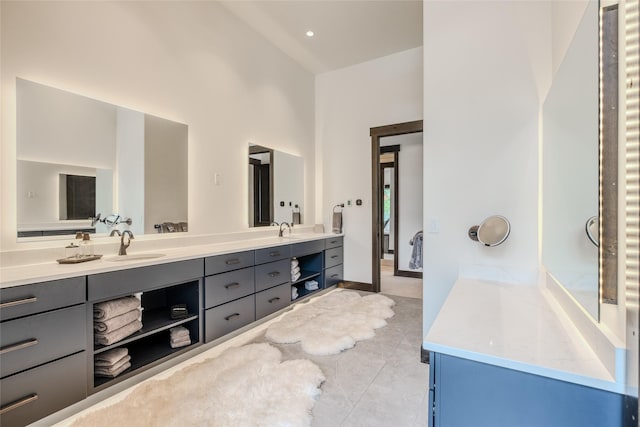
x=332 y=323
x=244 y=386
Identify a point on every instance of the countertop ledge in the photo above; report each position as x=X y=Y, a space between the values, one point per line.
x=47 y=271
x=515 y=327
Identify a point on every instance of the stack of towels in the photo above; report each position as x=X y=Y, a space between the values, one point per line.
x=179 y=337
x=295 y=270
x=294 y=293
x=116 y=319
x=111 y=363
x=311 y=285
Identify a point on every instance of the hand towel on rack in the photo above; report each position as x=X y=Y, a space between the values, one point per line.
x=415 y=261
x=296 y=218
x=110 y=357
x=119 y=334
x=116 y=322
x=108 y=309
x=337 y=222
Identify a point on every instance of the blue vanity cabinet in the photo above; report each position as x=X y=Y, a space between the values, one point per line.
x=273 y=280
x=463 y=392
x=43 y=357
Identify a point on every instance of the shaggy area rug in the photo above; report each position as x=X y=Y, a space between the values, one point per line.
x=332 y=323
x=244 y=386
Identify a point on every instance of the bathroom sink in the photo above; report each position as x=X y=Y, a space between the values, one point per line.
x=135 y=257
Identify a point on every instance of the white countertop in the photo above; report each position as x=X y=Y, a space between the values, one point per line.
x=51 y=270
x=517 y=327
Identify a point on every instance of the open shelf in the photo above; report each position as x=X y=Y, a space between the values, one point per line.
x=152 y=321
x=306 y=275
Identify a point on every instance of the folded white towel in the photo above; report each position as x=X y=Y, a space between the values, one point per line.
x=109 y=309
x=110 y=357
x=294 y=263
x=182 y=342
x=116 y=322
x=311 y=285
x=295 y=277
x=111 y=373
x=295 y=270
x=178 y=332
x=119 y=334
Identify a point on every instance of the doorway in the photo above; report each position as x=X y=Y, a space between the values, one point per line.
x=397 y=208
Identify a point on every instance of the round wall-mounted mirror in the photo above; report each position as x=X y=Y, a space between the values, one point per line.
x=493 y=231
x=591 y=228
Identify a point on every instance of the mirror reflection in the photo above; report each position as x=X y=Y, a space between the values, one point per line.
x=78 y=158
x=570 y=166
x=276 y=187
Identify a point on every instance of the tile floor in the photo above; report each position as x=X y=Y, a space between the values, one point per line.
x=398 y=285
x=379 y=382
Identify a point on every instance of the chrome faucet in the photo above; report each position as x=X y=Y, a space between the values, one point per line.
x=123 y=247
x=281 y=231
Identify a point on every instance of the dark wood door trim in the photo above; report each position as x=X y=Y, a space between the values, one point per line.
x=376 y=133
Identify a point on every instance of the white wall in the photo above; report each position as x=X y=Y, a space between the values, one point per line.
x=410 y=191
x=486 y=70
x=191 y=62
x=349 y=102
x=165 y=182
x=130 y=168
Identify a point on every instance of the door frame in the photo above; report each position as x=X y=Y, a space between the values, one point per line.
x=376 y=133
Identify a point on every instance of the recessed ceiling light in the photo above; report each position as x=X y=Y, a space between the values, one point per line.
x=310 y=33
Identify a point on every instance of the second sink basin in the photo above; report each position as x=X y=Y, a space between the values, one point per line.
x=134 y=257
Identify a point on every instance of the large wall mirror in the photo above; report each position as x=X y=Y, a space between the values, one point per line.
x=570 y=166
x=78 y=157
x=276 y=187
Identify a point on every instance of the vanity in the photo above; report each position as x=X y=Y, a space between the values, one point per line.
x=47 y=325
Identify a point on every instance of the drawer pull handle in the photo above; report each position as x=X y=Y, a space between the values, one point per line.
x=274 y=253
x=18 y=403
x=231 y=316
x=231 y=285
x=18 y=346
x=232 y=261
x=333 y=241
x=18 y=302
x=274 y=299
x=334 y=256
x=334 y=275
x=274 y=274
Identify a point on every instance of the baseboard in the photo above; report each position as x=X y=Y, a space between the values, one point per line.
x=424 y=355
x=360 y=286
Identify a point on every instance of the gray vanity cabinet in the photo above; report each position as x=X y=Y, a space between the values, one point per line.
x=43 y=362
x=333 y=261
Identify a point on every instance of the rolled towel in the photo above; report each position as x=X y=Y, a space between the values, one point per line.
x=116 y=322
x=109 y=309
x=294 y=293
x=294 y=263
x=295 y=270
x=110 y=357
x=100 y=372
x=119 y=334
x=179 y=332
x=295 y=277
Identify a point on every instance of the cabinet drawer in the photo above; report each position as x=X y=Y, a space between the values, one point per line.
x=226 y=287
x=272 y=300
x=38 y=339
x=306 y=248
x=333 y=242
x=125 y=282
x=332 y=257
x=273 y=254
x=333 y=275
x=228 y=317
x=222 y=263
x=38 y=392
x=272 y=274
x=29 y=299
